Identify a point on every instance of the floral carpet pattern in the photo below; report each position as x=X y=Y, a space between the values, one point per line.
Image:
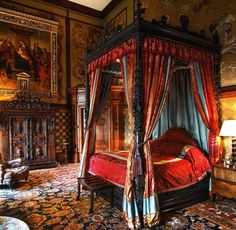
x=48 y=201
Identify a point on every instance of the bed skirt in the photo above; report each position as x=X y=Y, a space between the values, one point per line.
x=170 y=201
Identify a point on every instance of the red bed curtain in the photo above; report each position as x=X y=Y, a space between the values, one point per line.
x=204 y=61
x=158 y=74
x=204 y=70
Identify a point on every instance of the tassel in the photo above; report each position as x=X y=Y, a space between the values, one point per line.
x=137 y=164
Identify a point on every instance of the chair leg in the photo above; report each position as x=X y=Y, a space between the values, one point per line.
x=112 y=196
x=91 y=202
x=78 y=196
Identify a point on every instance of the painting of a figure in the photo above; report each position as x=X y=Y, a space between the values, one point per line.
x=24 y=50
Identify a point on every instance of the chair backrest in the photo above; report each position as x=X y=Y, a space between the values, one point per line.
x=14 y=163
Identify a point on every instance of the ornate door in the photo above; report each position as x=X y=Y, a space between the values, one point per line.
x=19 y=137
x=39 y=147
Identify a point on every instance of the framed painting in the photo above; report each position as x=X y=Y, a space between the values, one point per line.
x=28 y=54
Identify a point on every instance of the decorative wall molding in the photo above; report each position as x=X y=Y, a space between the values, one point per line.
x=27 y=20
x=25 y=105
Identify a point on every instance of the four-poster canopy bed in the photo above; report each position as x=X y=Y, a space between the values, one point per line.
x=149 y=55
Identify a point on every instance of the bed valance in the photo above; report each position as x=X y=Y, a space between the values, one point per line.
x=112 y=56
x=152 y=45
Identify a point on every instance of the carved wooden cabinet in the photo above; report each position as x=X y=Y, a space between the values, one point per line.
x=27 y=132
x=223 y=181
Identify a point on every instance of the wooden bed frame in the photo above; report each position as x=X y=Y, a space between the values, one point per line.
x=169 y=201
x=198 y=192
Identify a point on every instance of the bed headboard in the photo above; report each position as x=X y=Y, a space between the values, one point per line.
x=178 y=135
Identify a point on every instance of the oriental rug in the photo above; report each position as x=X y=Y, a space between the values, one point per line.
x=48 y=201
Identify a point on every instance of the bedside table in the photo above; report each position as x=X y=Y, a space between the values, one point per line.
x=223 y=181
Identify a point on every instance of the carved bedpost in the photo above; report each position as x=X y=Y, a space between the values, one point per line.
x=138 y=114
x=87 y=101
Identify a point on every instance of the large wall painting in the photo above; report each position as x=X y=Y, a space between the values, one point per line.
x=28 y=54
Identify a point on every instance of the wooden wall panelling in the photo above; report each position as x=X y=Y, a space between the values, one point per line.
x=103 y=130
x=118 y=118
x=78 y=121
x=110 y=129
x=116 y=125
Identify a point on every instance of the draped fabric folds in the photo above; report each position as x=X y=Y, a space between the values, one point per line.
x=202 y=78
x=129 y=202
x=100 y=88
x=89 y=141
x=181 y=111
x=202 y=74
x=158 y=73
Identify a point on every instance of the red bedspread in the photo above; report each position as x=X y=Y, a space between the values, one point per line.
x=172 y=172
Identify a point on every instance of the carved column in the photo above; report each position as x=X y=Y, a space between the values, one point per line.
x=138 y=120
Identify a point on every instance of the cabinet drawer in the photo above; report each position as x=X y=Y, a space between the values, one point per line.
x=224 y=174
x=226 y=189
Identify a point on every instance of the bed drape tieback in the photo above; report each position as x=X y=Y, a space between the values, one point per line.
x=137 y=160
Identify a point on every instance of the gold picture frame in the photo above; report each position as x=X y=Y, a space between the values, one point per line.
x=28 y=44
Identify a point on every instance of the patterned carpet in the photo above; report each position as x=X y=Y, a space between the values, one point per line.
x=48 y=201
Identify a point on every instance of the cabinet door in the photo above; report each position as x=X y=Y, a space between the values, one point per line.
x=19 y=137
x=39 y=134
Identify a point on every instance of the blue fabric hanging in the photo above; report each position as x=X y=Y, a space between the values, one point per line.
x=180 y=110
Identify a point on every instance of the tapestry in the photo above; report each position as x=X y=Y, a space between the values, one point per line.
x=83 y=36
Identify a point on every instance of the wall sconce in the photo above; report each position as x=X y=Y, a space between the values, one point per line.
x=228 y=129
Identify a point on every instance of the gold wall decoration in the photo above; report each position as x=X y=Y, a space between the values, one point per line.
x=28 y=44
x=83 y=36
x=201 y=14
x=228 y=112
x=228 y=108
x=119 y=20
